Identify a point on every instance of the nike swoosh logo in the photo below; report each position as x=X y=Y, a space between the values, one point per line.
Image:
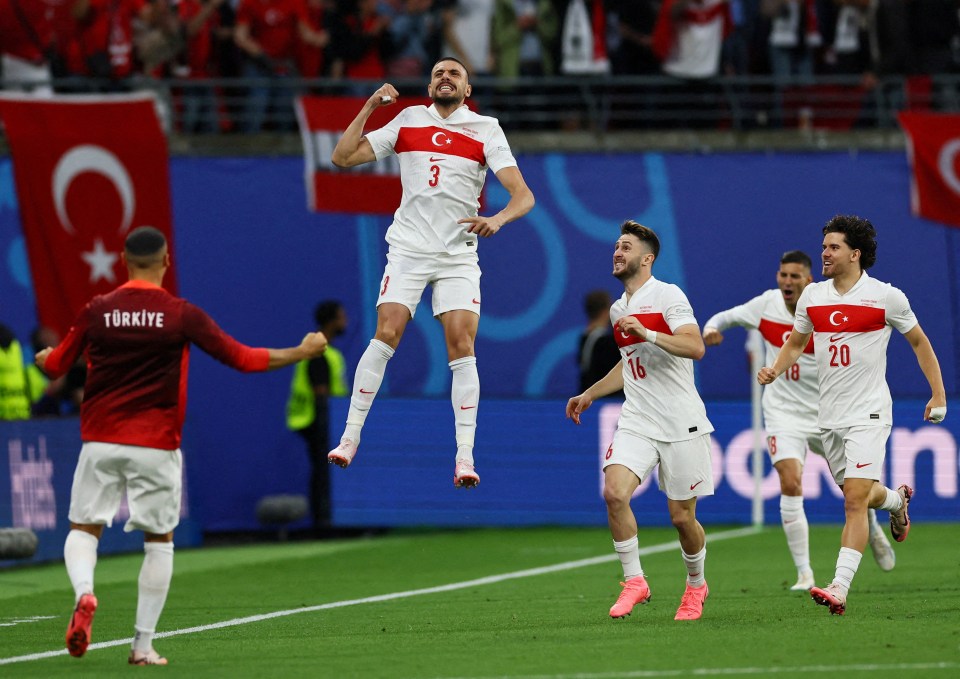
x=861 y=466
x=475 y=300
x=365 y=392
x=787 y=523
x=631 y=352
x=436 y=160
x=467 y=407
x=696 y=484
x=836 y=338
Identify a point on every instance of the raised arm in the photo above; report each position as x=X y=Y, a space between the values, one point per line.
x=353 y=148
x=936 y=408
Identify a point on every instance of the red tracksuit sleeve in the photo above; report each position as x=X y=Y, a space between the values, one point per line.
x=203 y=331
x=62 y=358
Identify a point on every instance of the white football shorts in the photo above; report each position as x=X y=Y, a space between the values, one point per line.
x=856 y=452
x=455 y=280
x=685 y=468
x=151 y=477
x=793 y=445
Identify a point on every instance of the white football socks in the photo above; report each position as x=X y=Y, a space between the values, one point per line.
x=154 y=583
x=366 y=383
x=694 y=564
x=797 y=530
x=847 y=564
x=893 y=502
x=465 y=397
x=629 y=553
x=80 y=558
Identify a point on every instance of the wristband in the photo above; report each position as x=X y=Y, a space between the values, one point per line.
x=652 y=336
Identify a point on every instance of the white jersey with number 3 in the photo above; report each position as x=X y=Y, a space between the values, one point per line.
x=790 y=403
x=443 y=164
x=850 y=336
x=662 y=402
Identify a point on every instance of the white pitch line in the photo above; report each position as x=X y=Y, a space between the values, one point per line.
x=489 y=580
x=726 y=671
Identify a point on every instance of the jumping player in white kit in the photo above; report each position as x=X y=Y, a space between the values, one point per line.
x=663 y=421
x=850 y=317
x=444 y=152
x=790 y=407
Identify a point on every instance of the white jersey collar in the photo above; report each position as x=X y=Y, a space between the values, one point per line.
x=860 y=283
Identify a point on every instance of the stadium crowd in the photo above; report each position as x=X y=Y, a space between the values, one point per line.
x=106 y=44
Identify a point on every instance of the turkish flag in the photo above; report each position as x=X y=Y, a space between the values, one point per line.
x=372 y=188
x=87 y=170
x=933 y=148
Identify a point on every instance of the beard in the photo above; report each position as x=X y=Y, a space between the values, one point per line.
x=447 y=99
x=628 y=271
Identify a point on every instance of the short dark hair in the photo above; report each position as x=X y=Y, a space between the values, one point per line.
x=796 y=257
x=462 y=65
x=595 y=302
x=859 y=234
x=144 y=246
x=644 y=233
x=326 y=311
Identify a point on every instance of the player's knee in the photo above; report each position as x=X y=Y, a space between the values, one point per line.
x=459 y=347
x=615 y=496
x=389 y=335
x=682 y=518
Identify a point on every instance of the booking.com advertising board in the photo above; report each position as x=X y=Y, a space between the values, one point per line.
x=250 y=253
x=537 y=468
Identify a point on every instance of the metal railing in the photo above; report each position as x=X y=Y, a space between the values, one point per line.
x=597 y=104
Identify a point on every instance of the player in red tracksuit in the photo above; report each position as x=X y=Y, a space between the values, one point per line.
x=136 y=343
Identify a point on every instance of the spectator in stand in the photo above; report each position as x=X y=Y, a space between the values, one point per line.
x=851 y=51
x=267 y=32
x=102 y=46
x=793 y=41
x=934 y=35
x=415 y=39
x=28 y=41
x=525 y=36
x=466 y=34
x=201 y=23
x=688 y=38
x=322 y=17
x=366 y=43
x=631 y=50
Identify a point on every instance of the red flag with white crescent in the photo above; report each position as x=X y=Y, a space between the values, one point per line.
x=87 y=171
x=933 y=148
x=372 y=188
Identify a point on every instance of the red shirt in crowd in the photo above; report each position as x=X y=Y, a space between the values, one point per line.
x=27 y=33
x=273 y=24
x=107 y=27
x=136 y=342
x=200 y=46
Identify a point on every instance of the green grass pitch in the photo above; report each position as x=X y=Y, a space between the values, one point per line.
x=549 y=624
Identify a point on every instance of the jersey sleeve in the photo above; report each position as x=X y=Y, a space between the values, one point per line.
x=201 y=330
x=677 y=311
x=801 y=320
x=65 y=354
x=497 y=152
x=384 y=139
x=899 y=313
x=744 y=315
